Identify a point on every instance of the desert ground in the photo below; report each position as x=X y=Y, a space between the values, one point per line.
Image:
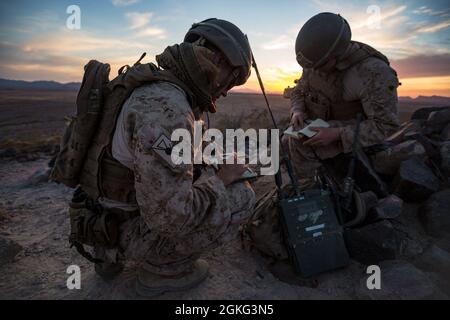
x=33 y=215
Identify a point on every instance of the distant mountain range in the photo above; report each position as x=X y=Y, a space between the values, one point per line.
x=435 y=100
x=42 y=85
x=53 y=85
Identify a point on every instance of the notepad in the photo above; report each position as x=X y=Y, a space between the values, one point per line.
x=306 y=131
x=213 y=161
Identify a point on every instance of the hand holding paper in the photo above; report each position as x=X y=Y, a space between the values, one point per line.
x=306 y=131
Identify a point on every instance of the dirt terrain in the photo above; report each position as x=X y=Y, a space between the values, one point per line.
x=33 y=214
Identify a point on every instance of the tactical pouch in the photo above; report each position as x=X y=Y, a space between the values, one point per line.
x=93 y=228
x=263 y=230
x=316 y=110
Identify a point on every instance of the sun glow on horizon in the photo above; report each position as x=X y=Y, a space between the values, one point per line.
x=426 y=86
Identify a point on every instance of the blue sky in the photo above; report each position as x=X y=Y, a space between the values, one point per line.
x=36 y=44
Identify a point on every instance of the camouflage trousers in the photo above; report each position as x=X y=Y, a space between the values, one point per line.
x=174 y=255
x=306 y=159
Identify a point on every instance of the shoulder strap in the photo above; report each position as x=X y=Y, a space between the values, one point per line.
x=362 y=53
x=141 y=74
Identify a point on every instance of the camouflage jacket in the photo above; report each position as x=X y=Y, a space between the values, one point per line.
x=169 y=201
x=372 y=82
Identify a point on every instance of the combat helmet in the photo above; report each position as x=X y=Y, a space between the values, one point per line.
x=230 y=40
x=324 y=36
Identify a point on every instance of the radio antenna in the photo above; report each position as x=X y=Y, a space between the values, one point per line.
x=284 y=156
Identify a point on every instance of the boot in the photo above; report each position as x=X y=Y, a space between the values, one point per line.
x=284 y=271
x=108 y=271
x=150 y=285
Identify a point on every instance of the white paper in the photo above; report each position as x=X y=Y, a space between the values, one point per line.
x=306 y=131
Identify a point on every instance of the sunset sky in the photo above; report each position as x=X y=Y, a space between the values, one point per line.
x=35 y=43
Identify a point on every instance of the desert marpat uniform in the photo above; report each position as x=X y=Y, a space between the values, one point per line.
x=179 y=219
x=364 y=82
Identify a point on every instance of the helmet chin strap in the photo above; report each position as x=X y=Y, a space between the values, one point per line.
x=229 y=84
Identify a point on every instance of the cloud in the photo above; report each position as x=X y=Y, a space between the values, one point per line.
x=435 y=27
x=69 y=42
x=281 y=42
x=138 y=19
x=423 y=66
x=385 y=18
x=398 y=34
x=152 y=32
x=61 y=55
x=424 y=10
x=139 y=22
x=124 y=3
x=42 y=21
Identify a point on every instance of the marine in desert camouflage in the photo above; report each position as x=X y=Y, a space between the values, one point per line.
x=340 y=79
x=169 y=214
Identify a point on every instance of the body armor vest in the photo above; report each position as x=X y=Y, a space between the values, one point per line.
x=324 y=92
x=102 y=175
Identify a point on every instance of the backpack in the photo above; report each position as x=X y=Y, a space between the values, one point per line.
x=89 y=133
x=81 y=128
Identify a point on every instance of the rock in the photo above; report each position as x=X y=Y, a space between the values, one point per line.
x=415 y=181
x=387 y=162
x=443 y=243
x=410 y=127
x=412 y=243
x=8 y=250
x=435 y=260
x=366 y=178
x=424 y=113
x=52 y=162
x=27 y=157
x=445 y=158
x=431 y=147
x=387 y=208
x=400 y=280
x=373 y=243
x=8 y=153
x=3 y=214
x=40 y=176
x=445 y=133
x=435 y=214
x=437 y=121
x=284 y=271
